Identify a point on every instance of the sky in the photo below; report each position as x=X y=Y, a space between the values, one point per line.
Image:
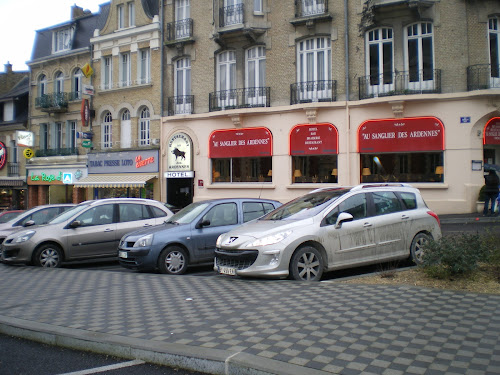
x=19 y=19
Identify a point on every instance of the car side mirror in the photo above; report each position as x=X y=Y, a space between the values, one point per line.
x=29 y=223
x=204 y=223
x=343 y=217
x=75 y=224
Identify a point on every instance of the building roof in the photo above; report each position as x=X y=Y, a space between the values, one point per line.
x=21 y=88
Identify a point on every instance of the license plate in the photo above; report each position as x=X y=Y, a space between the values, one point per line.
x=227 y=271
x=122 y=254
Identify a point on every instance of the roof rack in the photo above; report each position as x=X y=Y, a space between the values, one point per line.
x=382 y=184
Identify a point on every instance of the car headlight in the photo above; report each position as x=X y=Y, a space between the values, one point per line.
x=270 y=240
x=219 y=240
x=144 y=241
x=23 y=237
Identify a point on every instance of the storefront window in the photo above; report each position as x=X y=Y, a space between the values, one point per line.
x=402 y=167
x=315 y=169
x=132 y=192
x=242 y=169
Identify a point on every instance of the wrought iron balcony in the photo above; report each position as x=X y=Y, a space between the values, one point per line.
x=12 y=169
x=178 y=30
x=313 y=91
x=251 y=97
x=180 y=105
x=308 y=8
x=483 y=76
x=231 y=15
x=400 y=83
x=56 y=102
x=56 y=152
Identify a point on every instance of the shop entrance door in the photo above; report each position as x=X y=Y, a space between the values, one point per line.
x=180 y=191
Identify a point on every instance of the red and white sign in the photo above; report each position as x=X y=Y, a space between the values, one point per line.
x=3 y=155
x=492 y=132
x=316 y=139
x=401 y=135
x=240 y=143
x=85 y=112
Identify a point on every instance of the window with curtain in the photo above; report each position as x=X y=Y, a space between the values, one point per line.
x=59 y=83
x=420 y=52
x=144 y=127
x=125 y=69
x=77 y=84
x=144 y=66
x=226 y=78
x=131 y=14
x=314 y=69
x=107 y=76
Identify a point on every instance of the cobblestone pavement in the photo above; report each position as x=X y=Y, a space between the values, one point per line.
x=235 y=326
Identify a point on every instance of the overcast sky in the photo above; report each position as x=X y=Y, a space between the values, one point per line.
x=20 y=18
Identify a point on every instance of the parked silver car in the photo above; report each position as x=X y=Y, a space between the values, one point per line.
x=90 y=230
x=330 y=229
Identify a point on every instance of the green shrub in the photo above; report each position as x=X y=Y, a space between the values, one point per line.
x=454 y=255
x=482 y=196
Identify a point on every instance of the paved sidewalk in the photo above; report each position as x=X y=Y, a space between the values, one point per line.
x=223 y=325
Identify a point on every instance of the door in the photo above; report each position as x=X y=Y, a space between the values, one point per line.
x=125 y=133
x=180 y=191
x=233 y=12
x=96 y=234
x=132 y=216
x=226 y=79
x=182 y=96
x=255 y=79
x=314 y=70
x=182 y=14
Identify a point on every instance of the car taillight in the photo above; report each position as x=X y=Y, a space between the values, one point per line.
x=435 y=216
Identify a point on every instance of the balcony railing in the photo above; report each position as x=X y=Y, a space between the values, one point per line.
x=313 y=91
x=56 y=102
x=180 y=105
x=240 y=98
x=400 y=83
x=12 y=169
x=307 y=8
x=56 y=152
x=182 y=29
x=231 y=15
x=483 y=76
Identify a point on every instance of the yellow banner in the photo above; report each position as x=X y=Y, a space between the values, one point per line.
x=87 y=70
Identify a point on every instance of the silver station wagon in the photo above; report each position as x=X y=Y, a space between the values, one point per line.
x=330 y=229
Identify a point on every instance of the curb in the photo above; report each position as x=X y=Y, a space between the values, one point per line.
x=211 y=361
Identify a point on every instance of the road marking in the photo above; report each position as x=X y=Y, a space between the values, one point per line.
x=116 y=366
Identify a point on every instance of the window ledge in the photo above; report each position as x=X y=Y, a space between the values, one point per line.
x=238 y=185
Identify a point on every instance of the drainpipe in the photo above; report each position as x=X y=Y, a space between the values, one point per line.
x=347 y=91
x=162 y=107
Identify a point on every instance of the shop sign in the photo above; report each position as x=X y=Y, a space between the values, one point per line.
x=401 y=135
x=25 y=138
x=3 y=155
x=28 y=153
x=124 y=162
x=84 y=135
x=85 y=112
x=55 y=176
x=492 y=132
x=87 y=143
x=240 y=143
x=179 y=153
x=189 y=174
x=315 y=139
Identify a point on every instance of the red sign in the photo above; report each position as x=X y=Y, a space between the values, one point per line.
x=3 y=155
x=401 y=135
x=317 y=139
x=492 y=132
x=85 y=112
x=240 y=143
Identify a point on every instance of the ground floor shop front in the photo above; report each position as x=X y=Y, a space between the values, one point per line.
x=437 y=143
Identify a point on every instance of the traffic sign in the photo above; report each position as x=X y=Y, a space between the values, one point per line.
x=67 y=178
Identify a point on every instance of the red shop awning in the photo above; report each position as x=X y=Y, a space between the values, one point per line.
x=401 y=135
x=491 y=133
x=314 y=139
x=240 y=143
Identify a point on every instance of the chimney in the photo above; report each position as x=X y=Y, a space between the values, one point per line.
x=8 y=67
x=77 y=12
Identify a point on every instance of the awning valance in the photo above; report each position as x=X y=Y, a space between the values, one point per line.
x=113 y=181
x=11 y=182
x=492 y=132
x=314 y=139
x=240 y=143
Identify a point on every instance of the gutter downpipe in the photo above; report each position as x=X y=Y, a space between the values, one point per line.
x=347 y=90
x=162 y=108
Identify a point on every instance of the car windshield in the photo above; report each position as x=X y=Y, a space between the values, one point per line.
x=188 y=213
x=306 y=206
x=9 y=216
x=67 y=214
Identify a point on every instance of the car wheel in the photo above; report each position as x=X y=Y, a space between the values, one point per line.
x=416 y=249
x=307 y=264
x=49 y=256
x=173 y=260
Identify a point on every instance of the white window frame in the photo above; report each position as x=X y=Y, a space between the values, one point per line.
x=71 y=134
x=494 y=53
x=377 y=39
x=42 y=85
x=144 y=127
x=226 y=78
x=125 y=126
x=8 y=110
x=107 y=73
x=120 y=13
x=59 y=83
x=57 y=136
x=107 y=130
x=125 y=70
x=255 y=75
x=182 y=13
x=314 y=69
x=312 y=7
x=62 y=40
x=257 y=6
x=131 y=14
x=77 y=84
x=13 y=152
x=144 y=66
x=418 y=32
x=182 y=86
x=235 y=18
x=44 y=137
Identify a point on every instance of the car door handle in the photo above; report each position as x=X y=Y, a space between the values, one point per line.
x=405 y=217
x=108 y=230
x=367 y=225
x=147 y=225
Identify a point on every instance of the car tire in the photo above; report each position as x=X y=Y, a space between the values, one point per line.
x=173 y=260
x=48 y=256
x=416 y=248
x=306 y=264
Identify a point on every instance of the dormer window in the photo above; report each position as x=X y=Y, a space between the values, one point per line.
x=62 y=39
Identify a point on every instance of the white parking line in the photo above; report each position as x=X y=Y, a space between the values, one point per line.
x=116 y=366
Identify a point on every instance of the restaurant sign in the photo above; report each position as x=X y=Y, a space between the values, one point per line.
x=492 y=132
x=179 y=154
x=54 y=176
x=240 y=143
x=315 y=139
x=401 y=135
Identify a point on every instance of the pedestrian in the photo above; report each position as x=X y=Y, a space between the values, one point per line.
x=491 y=182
